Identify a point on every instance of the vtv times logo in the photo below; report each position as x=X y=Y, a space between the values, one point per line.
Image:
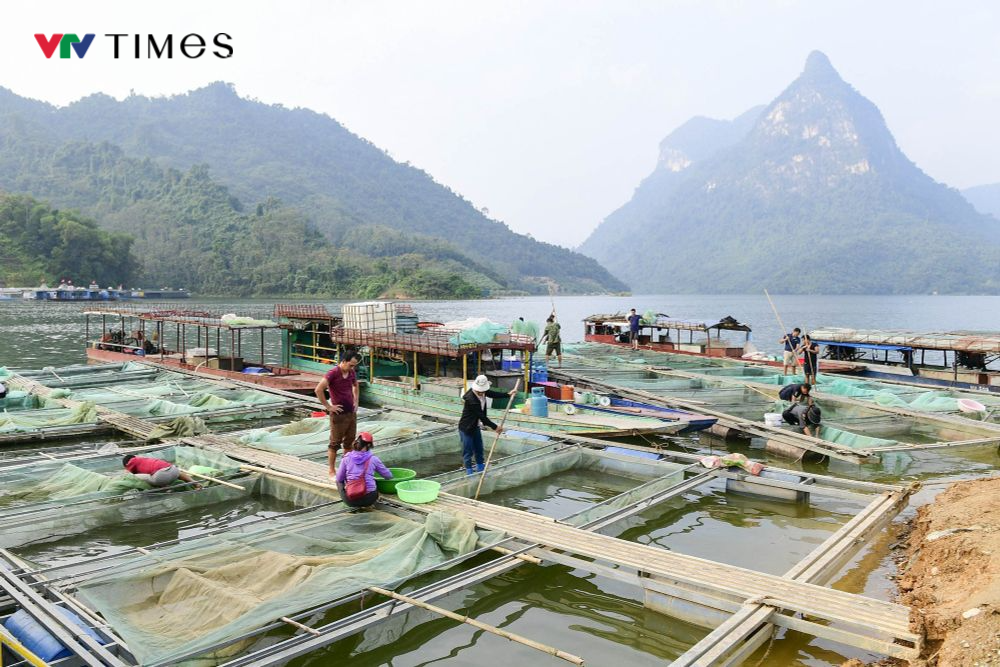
x=191 y=46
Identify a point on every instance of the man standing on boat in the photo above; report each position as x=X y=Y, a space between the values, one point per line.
x=553 y=339
x=341 y=384
x=633 y=328
x=474 y=414
x=810 y=357
x=792 y=342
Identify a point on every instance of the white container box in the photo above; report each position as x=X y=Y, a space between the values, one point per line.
x=377 y=316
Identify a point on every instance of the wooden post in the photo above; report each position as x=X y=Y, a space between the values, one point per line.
x=371 y=364
x=562 y=655
x=489 y=457
x=465 y=373
x=416 y=380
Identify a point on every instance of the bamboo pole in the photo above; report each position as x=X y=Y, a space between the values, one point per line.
x=784 y=331
x=294 y=478
x=300 y=626
x=562 y=655
x=489 y=457
x=212 y=479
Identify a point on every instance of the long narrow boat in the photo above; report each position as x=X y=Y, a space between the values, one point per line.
x=665 y=334
x=963 y=359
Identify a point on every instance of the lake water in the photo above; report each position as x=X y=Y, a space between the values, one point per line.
x=36 y=334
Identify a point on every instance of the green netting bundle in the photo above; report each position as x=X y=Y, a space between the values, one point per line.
x=195 y=595
x=525 y=328
x=178 y=427
x=70 y=481
x=648 y=317
x=853 y=440
x=481 y=333
x=31 y=420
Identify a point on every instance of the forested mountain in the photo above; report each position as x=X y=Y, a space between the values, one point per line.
x=190 y=231
x=349 y=189
x=813 y=195
x=985 y=198
x=39 y=244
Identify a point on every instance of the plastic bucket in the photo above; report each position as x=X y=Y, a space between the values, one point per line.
x=566 y=392
x=969 y=405
x=398 y=475
x=773 y=419
x=418 y=491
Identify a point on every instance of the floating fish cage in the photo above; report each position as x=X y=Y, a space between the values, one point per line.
x=627 y=551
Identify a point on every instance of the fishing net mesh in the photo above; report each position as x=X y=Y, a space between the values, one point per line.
x=47 y=524
x=309 y=436
x=94 y=478
x=191 y=597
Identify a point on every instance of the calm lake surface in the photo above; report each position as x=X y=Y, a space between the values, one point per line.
x=600 y=619
x=37 y=333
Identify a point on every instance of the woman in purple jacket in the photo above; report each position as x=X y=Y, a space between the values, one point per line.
x=357 y=463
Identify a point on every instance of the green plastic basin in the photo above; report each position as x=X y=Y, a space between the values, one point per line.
x=417 y=491
x=398 y=475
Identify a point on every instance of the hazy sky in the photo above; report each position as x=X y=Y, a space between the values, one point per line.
x=547 y=113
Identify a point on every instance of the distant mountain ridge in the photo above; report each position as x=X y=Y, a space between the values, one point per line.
x=810 y=194
x=341 y=182
x=985 y=198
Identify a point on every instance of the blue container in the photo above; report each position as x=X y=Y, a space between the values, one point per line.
x=37 y=639
x=539 y=403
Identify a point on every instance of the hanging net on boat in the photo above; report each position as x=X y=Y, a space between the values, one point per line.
x=191 y=597
x=93 y=478
x=474 y=331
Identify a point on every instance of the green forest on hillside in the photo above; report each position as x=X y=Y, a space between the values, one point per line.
x=348 y=191
x=189 y=231
x=41 y=244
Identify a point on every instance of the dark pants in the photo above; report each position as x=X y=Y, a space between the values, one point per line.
x=796 y=415
x=366 y=500
x=472 y=445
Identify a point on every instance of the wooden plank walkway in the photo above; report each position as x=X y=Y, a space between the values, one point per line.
x=875 y=624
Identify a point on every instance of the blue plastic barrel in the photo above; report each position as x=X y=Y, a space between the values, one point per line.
x=37 y=639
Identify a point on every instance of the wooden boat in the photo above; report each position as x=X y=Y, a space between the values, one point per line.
x=703 y=340
x=584 y=420
x=963 y=359
x=163 y=336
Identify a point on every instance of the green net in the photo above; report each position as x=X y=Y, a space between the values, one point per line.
x=309 y=436
x=31 y=420
x=481 y=333
x=178 y=427
x=525 y=328
x=853 y=440
x=191 y=597
x=22 y=400
x=43 y=525
x=91 y=478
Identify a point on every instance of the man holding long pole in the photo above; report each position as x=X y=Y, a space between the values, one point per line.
x=474 y=413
